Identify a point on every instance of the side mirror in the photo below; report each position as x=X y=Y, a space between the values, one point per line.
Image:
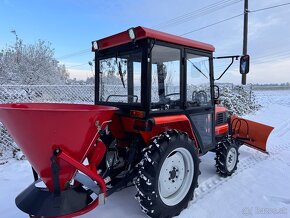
x=245 y=64
x=216 y=92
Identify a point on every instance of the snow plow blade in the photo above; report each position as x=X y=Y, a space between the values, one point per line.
x=56 y=139
x=250 y=133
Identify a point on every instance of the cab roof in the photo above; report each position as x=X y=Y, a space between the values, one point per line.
x=143 y=32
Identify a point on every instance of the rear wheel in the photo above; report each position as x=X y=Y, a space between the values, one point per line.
x=168 y=175
x=227 y=157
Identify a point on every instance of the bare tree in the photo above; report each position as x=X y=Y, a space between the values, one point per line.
x=31 y=64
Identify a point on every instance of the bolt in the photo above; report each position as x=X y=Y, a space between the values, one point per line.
x=56 y=151
x=97 y=123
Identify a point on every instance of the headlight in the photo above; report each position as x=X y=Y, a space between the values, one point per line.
x=95 y=45
x=132 y=34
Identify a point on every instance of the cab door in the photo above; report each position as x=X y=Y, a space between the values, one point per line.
x=199 y=104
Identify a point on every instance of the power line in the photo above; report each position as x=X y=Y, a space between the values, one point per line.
x=270 y=52
x=276 y=58
x=191 y=15
x=184 y=18
x=268 y=57
x=267 y=8
x=184 y=15
x=273 y=55
x=175 y=21
x=76 y=66
x=77 y=53
x=197 y=13
x=213 y=24
x=251 y=11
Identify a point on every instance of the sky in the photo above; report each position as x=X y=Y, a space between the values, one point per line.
x=71 y=25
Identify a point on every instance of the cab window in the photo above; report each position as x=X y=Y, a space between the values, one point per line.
x=198 y=80
x=165 y=91
x=120 y=77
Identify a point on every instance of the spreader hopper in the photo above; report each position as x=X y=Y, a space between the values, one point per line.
x=56 y=139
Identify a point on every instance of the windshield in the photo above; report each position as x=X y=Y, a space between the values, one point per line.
x=120 y=78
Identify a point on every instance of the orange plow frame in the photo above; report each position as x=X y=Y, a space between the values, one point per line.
x=253 y=134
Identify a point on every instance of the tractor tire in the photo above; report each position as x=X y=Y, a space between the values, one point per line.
x=227 y=157
x=168 y=174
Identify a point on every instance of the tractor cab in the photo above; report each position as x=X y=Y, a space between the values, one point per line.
x=149 y=74
x=153 y=71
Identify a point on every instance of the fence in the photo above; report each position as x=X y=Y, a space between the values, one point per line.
x=238 y=100
x=82 y=94
x=48 y=93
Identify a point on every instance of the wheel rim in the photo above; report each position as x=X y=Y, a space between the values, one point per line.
x=176 y=176
x=231 y=159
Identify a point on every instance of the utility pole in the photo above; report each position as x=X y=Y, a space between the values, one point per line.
x=245 y=38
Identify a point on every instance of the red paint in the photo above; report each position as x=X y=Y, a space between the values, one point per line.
x=222 y=129
x=163 y=123
x=39 y=128
x=219 y=109
x=92 y=174
x=164 y=120
x=96 y=155
x=160 y=124
x=142 y=32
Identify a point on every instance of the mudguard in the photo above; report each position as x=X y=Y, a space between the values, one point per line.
x=252 y=134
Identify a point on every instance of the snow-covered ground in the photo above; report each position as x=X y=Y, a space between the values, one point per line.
x=259 y=188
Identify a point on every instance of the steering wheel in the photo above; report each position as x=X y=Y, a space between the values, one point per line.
x=166 y=103
x=171 y=94
x=199 y=97
x=132 y=96
x=172 y=103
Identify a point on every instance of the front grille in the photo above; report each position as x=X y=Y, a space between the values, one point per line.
x=221 y=118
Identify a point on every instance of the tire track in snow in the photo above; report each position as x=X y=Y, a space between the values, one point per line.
x=283 y=129
x=214 y=182
x=277 y=199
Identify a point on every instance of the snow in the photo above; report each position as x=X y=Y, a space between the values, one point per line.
x=259 y=188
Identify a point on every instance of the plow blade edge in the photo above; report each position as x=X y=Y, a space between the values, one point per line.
x=251 y=133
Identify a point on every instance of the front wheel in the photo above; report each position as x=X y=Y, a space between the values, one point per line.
x=227 y=157
x=168 y=175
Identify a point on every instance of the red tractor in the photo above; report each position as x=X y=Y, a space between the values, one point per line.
x=155 y=114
